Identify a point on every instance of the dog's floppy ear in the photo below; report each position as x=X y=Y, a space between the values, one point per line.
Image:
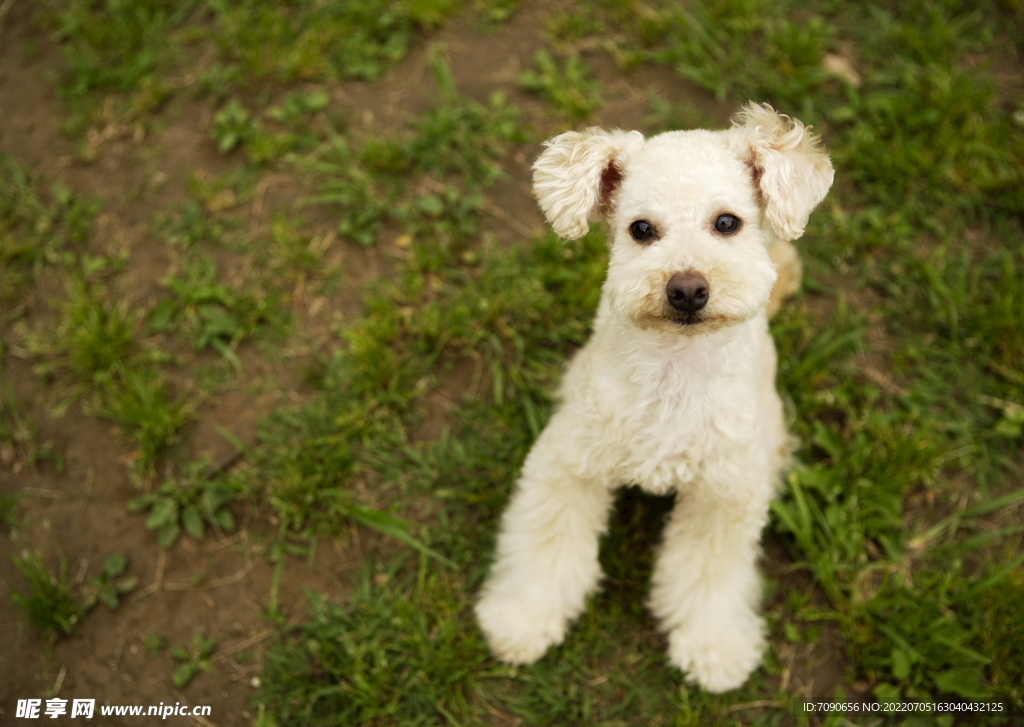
x=576 y=176
x=789 y=166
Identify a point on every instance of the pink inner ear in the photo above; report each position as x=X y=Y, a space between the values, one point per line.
x=755 y=173
x=611 y=178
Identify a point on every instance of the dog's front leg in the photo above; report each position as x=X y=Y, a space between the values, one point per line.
x=547 y=553
x=705 y=587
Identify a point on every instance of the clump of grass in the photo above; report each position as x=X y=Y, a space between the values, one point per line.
x=121 y=47
x=193 y=226
x=47 y=603
x=1000 y=637
x=297 y=256
x=37 y=228
x=232 y=126
x=315 y=41
x=132 y=50
x=460 y=137
x=665 y=116
x=10 y=510
x=211 y=314
x=567 y=85
x=187 y=503
x=95 y=348
x=733 y=48
x=395 y=654
x=362 y=200
x=20 y=447
x=454 y=146
x=958 y=154
x=141 y=402
x=94 y=340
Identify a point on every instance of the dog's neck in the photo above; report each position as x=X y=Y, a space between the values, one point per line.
x=649 y=356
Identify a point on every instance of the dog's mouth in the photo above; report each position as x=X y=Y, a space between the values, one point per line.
x=688 y=319
x=685 y=323
x=692 y=324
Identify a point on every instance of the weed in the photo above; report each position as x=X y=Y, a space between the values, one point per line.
x=566 y=85
x=496 y=11
x=209 y=313
x=194 y=226
x=296 y=255
x=303 y=464
x=109 y=586
x=47 y=601
x=95 y=345
x=715 y=44
x=10 y=510
x=141 y=404
x=192 y=659
x=117 y=47
x=440 y=226
x=94 y=341
x=363 y=202
x=393 y=653
x=287 y=130
x=36 y=228
x=20 y=446
x=459 y=139
x=460 y=136
x=298 y=105
x=154 y=644
x=317 y=41
x=187 y=503
x=232 y=126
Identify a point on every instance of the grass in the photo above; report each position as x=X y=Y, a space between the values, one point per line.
x=368 y=671
x=425 y=179
x=900 y=361
x=130 y=51
x=95 y=350
x=192 y=659
x=47 y=602
x=188 y=504
x=210 y=314
x=37 y=227
x=872 y=513
x=567 y=87
x=54 y=607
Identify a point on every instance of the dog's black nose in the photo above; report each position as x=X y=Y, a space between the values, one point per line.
x=687 y=292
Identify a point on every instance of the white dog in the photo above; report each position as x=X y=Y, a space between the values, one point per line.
x=675 y=391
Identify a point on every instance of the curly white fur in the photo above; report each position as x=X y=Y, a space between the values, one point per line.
x=674 y=403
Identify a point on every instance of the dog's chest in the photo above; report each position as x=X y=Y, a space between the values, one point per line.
x=669 y=422
x=676 y=440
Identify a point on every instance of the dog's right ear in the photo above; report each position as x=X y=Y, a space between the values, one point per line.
x=577 y=175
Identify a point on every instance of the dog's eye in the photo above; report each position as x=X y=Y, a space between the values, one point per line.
x=641 y=230
x=727 y=224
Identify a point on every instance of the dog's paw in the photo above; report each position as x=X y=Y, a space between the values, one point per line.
x=517 y=633
x=718 y=658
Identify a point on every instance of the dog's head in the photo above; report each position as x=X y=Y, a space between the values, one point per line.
x=692 y=213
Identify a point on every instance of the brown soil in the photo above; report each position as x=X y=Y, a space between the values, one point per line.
x=218 y=586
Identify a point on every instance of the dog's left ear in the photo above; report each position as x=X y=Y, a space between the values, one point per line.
x=791 y=170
